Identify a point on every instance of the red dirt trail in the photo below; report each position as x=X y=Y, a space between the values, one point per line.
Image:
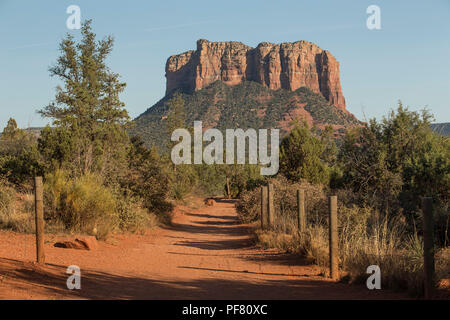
x=206 y=254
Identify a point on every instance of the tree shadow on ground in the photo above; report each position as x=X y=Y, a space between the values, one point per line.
x=224 y=200
x=51 y=280
x=208 y=216
x=228 y=244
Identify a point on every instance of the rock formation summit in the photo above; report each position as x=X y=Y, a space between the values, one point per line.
x=286 y=66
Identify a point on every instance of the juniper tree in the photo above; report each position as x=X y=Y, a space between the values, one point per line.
x=303 y=155
x=87 y=106
x=19 y=157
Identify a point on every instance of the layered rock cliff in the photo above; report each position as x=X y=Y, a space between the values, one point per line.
x=277 y=66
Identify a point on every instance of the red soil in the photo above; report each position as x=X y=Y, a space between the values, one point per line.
x=206 y=254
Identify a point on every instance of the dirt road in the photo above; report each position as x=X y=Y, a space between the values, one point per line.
x=206 y=254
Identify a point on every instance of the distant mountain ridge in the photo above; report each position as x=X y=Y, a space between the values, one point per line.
x=441 y=128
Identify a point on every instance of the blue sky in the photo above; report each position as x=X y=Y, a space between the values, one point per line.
x=408 y=59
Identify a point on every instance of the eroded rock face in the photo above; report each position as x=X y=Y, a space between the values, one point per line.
x=287 y=65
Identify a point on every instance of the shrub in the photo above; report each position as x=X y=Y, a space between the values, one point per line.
x=303 y=154
x=83 y=204
x=366 y=236
x=182 y=181
x=147 y=178
x=7 y=195
x=16 y=210
x=86 y=205
x=133 y=217
x=285 y=202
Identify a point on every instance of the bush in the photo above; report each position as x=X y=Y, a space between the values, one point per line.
x=182 y=182
x=82 y=205
x=147 y=178
x=7 y=195
x=303 y=155
x=133 y=217
x=16 y=210
x=86 y=205
x=285 y=202
x=366 y=236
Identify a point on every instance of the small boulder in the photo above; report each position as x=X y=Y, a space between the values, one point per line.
x=81 y=243
x=90 y=242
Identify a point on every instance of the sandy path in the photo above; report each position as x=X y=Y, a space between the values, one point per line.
x=207 y=254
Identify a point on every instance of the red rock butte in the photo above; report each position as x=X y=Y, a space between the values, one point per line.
x=278 y=66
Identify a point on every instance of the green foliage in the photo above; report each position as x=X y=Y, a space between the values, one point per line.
x=133 y=217
x=183 y=180
x=398 y=160
x=97 y=180
x=86 y=205
x=303 y=155
x=87 y=111
x=242 y=178
x=19 y=156
x=147 y=177
x=57 y=147
x=175 y=116
x=363 y=158
x=211 y=179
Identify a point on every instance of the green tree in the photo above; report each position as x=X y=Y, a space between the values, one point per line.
x=147 y=176
x=242 y=177
x=88 y=107
x=395 y=162
x=418 y=154
x=303 y=155
x=14 y=140
x=57 y=147
x=363 y=158
x=10 y=131
x=19 y=156
x=176 y=117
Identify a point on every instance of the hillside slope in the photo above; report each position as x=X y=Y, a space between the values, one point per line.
x=245 y=105
x=441 y=128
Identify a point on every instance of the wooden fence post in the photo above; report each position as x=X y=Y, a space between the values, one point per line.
x=39 y=219
x=264 y=207
x=301 y=213
x=334 y=253
x=428 y=246
x=270 y=208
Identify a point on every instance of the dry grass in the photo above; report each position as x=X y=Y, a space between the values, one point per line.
x=365 y=238
x=82 y=205
x=17 y=214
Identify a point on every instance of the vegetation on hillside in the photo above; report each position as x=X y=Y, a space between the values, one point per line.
x=246 y=105
x=441 y=128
